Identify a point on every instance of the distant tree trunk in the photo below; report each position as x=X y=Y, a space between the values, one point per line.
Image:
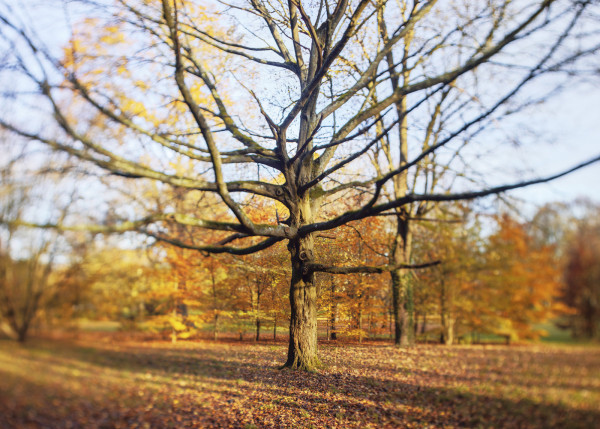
x=360 y=316
x=391 y=326
x=22 y=333
x=258 y=293
x=215 y=304
x=416 y=324
x=449 y=331
x=402 y=245
x=424 y=324
x=333 y=316
x=174 y=315
x=402 y=304
x=275 y=327
x=216 y=326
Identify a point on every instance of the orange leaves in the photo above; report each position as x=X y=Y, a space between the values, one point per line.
x=503 y=284
x=524 y=277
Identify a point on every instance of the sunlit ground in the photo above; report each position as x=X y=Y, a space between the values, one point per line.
x=99 y=383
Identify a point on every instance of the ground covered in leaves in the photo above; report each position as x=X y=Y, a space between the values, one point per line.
x=103 y=383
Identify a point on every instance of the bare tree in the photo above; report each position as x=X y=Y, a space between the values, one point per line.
x=27 y=258
x=327 y=83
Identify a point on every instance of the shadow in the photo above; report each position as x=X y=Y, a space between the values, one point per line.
x=244 y=393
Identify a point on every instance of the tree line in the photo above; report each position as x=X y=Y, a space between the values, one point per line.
x=493 y=275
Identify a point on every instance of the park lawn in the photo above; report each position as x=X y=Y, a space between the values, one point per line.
x=97 y=382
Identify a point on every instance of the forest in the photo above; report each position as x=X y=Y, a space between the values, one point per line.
x=313 y=213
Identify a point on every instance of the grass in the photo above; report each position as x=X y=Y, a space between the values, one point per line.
x=97 y=382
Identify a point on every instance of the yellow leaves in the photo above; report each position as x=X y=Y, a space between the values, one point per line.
x=142 y=85
x=112 y=36
x=132 y=106
x=176 y=324
x=184 y=335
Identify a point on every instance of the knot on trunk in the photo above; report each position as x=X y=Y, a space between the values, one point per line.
x=305 y=270
x=305 y=255
x=279 y=192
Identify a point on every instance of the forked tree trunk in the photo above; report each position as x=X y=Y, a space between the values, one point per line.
x=302 y=350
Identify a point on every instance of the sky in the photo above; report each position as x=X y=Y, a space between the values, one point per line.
x=572 y=122
x=569 y=136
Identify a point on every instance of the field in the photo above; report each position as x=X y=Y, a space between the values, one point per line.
x=97 y=382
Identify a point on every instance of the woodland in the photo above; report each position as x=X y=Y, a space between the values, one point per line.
x=255 y=213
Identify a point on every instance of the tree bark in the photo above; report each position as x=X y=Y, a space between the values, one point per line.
x=302 y=350
x=400 y=283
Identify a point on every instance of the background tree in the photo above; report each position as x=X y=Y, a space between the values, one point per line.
x=29 y=284
x=451 y=289
x=318 y=124
x=524 y=282
x=582 y=277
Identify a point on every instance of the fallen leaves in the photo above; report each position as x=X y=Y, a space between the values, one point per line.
x=96 y=384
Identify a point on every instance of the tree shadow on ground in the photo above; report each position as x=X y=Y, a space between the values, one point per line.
x=242 y=382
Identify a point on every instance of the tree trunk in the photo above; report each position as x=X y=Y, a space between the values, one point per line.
x=360 y=323
x=443 y=314
x=402 y=305
x=416 y=324
x=401 y=247
x=302 y=350
x=397 y=306
x=215 y=302
x=275 y=328
x=333 y=318
x=22 y=334
x=257 y=313
x=216 y=326
x=449 y=331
